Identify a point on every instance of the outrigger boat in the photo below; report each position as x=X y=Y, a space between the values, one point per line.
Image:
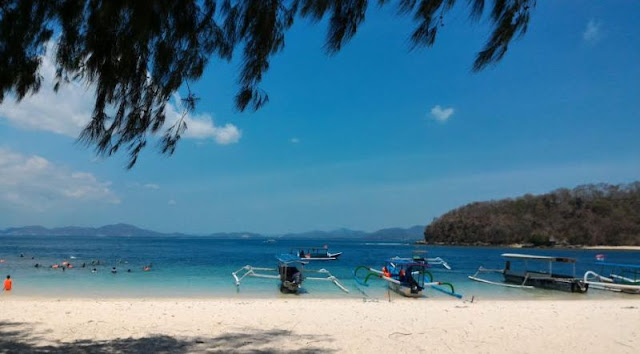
x=315 y=253
x=290 y=272
x=406 y=276
x=622 y=277
x=540 y=278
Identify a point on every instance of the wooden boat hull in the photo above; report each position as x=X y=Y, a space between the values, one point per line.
x=290 y=279
x=555 y=282
x=287 y=287
x=405 y=290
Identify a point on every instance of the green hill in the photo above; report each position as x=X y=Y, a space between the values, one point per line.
x=590 y=215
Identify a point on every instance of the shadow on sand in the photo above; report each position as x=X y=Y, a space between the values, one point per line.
x=21 y=338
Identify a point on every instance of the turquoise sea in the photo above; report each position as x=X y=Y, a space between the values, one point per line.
x=201 y=267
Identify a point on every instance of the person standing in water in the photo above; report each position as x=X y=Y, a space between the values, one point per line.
x=8 y=284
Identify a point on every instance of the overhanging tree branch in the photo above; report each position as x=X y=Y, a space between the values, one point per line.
x=138 y=53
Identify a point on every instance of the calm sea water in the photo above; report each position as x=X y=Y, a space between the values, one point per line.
x=201 y=267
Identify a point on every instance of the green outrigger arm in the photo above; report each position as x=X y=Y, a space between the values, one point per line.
x=437 y=287
x=370 y=273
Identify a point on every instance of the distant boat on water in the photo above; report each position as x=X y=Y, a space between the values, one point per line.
x=315 y=253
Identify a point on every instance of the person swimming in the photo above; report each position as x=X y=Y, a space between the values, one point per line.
x=94 y=270
x=128 y=270
x=114 y=270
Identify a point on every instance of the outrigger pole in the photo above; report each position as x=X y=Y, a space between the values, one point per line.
x=438 y=261
x=501 y=271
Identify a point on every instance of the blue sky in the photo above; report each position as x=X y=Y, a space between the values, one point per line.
x=375 y=136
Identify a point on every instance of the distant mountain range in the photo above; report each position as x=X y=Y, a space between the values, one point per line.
x=107 y=230
x=123 y=230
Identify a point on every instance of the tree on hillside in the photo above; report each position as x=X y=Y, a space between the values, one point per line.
x=599 y=214
x=137 y=53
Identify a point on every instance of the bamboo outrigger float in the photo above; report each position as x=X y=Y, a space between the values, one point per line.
x=623 y=278
x=529 y=279
x=290 y=272
x=407 y=277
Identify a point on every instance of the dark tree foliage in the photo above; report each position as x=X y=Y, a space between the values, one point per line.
x=591 y=215
x=138 y=53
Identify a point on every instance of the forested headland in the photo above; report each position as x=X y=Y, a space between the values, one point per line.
x=588 y=215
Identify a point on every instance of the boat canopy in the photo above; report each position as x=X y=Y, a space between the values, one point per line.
x=323 y=247
x=539 y=258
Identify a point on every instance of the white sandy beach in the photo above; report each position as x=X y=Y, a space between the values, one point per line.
x=312 y=325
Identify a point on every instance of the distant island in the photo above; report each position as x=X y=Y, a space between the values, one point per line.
x=107 y=230
x=588 y=215
x=125 y=230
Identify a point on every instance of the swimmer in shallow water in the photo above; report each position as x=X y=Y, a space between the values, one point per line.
x=94 y=270
x=114 y=270
x=8 y=284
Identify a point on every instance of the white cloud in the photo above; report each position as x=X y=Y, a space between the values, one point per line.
x=68 y=111
x=294 y=140
x=64 y=113
x=151 y=186
x=172 y=202
x=593 y=32
x=441 y=114
x=34 y=183
x=201 y=126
